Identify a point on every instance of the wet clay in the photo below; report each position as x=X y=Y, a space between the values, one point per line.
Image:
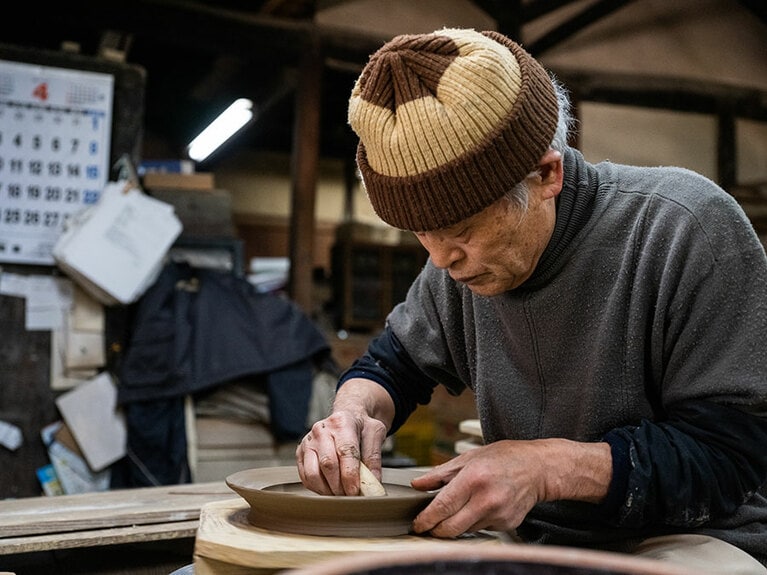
x=279 y=502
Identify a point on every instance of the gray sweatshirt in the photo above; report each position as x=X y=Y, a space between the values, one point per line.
x=651 y=297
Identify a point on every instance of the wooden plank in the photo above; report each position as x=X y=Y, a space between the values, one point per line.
x=104 y=510
x=99 y=537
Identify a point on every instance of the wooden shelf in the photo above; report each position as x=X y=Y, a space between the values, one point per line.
x=370 y=278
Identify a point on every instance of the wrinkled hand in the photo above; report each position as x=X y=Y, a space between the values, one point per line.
x=328 y=457
x=489 y=487
x=495 y=486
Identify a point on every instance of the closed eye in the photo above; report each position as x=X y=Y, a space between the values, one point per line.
x=463 y=234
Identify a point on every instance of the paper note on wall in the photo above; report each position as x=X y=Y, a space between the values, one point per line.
x=115 y=249
x=48 y=298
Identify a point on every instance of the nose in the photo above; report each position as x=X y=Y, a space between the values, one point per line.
x=443 y=252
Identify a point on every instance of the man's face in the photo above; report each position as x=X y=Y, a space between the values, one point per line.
x=497 y=249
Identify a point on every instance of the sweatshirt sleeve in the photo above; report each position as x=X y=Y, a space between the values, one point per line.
x=702 y=462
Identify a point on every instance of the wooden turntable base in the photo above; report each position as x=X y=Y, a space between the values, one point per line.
x=226 y=544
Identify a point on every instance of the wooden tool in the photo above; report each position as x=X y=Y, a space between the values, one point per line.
x=369 y=484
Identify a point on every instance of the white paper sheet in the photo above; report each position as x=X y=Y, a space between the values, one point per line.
x=115 y=249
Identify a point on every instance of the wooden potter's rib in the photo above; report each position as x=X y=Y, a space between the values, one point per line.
x=369 y=484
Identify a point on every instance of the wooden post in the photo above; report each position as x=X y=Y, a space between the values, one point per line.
x=305 y=161
x=726 y=148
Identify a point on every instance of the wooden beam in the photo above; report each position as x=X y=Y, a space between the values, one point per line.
x=726 y=103
x=757 y=7
x=665 y=92
x=508 y=16
x=537 y=8
x=189 y=21
x=582 y=20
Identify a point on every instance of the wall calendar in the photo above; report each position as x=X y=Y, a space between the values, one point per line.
x=55 y=132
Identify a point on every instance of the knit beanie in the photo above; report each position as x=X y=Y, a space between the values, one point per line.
x=448 y=122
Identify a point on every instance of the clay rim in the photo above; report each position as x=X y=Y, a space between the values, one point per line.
x=303 y=512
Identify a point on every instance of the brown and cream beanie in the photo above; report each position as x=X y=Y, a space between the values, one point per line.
x=448 y=122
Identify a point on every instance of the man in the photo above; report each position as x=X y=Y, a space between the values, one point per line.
x=610 y=320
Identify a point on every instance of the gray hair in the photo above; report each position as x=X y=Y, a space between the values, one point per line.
x=519 y=193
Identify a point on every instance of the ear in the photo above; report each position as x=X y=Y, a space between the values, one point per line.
x=551 y=171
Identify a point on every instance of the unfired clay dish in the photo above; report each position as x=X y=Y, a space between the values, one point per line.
x=279 y=502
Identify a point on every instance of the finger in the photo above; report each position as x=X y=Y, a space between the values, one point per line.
x=445 y=504
x=372 y=440
x=300 y=463
x=456 y=525
x=329 y=465
x=373 y=462
x=435 y=478
x=454 y=516
x=321 y=465
x=428 y=482
x=310 y=473
x=349 y=460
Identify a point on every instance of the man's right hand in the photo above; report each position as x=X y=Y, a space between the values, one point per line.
x=328 y=457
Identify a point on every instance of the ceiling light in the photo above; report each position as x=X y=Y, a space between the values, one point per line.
x=231 y=120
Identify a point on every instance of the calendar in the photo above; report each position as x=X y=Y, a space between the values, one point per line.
x=55 y=132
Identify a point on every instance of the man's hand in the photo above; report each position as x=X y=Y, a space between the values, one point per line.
x=328 y=457
x=495 y=486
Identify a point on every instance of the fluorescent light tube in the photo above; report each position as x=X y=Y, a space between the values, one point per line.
x=221 y=129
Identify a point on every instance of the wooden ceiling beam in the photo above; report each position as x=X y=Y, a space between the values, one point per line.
x=580 y=21
x=507 y=15
x=757 y=7
x=666 y=92
x=537 y=8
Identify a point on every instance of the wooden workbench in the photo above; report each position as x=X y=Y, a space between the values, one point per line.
x=36 y=532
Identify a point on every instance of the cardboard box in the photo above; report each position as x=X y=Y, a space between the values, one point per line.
x=197 y=181
x=203 y=213
x=219 y=433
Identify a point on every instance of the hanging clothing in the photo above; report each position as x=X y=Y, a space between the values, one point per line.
x=195 y=329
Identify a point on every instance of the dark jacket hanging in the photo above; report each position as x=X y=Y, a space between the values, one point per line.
x=195 y=329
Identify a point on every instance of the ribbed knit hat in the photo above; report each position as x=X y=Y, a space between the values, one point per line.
x=448 y=122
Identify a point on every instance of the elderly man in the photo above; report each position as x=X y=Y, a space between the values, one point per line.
x=610 y=320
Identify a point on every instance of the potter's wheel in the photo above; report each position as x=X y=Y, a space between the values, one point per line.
x=447 y=559
x=278 y=501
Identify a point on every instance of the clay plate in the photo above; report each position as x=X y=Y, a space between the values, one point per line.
x=279 y=502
